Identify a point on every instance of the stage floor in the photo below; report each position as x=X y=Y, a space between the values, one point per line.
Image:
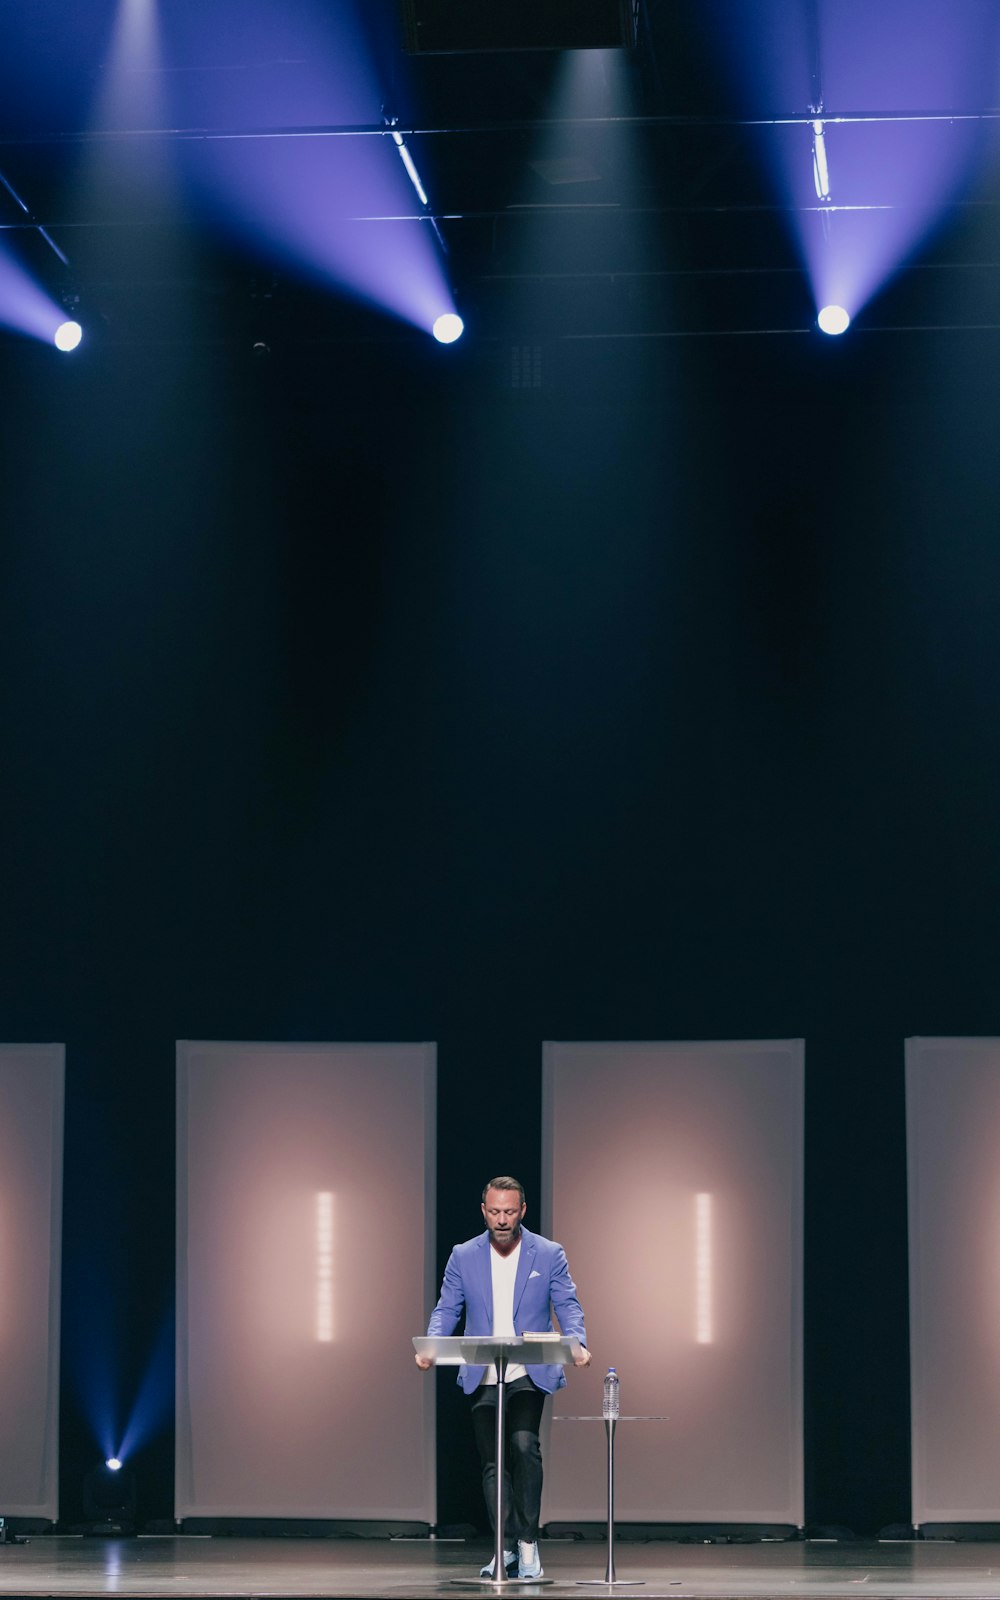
x=332 y=1569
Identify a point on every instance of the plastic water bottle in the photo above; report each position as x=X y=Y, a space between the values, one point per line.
x=612 y=1397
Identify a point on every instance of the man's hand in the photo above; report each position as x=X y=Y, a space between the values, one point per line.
x=424 y=1363
x=583 y=1358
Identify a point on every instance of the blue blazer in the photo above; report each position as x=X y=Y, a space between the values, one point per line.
x=542 y=1285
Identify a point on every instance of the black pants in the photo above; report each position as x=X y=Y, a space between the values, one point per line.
x=522 y=1480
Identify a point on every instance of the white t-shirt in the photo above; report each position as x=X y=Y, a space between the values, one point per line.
x=504 y=1271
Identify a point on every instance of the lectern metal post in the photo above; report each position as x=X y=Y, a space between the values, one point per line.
x=499 y=1565
x=547 y=1349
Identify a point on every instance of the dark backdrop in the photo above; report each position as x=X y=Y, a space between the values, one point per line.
x=363 y=699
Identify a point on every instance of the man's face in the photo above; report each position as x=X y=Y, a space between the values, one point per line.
x=503 y=1210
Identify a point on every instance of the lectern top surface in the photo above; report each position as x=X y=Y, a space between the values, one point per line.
x=531 y=1349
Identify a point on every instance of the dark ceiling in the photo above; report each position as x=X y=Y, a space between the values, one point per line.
x=645 y=202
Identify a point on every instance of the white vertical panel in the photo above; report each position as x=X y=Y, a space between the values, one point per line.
x=305 y=1196
x=674 y=1181
x=31 y=1161
x=952 y=1122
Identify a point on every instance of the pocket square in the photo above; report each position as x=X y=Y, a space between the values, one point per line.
x=533 y=1275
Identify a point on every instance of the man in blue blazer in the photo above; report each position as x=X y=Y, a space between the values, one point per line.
x=509 y=1281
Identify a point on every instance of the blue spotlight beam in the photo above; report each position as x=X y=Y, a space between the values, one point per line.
x=815 y=46
x=32 y=223
x=154 y=1399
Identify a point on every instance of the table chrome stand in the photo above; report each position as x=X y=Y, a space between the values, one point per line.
x=610 y=1581
x=525 y=1351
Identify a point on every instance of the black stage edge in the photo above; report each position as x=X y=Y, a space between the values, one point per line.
x=678 y=1532
x=981 y=1531
x=24 y=1525
x=301 y=1528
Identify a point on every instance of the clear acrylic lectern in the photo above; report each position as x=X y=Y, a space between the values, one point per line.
x=527 y=1350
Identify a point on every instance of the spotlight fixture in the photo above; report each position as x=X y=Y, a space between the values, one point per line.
x=113 y=1464
x=410 y=165
x=67 y=336
x=821 y=169
x=833 y=320
x=448 y=327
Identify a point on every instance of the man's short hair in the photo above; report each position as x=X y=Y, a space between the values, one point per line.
x=504 y=1183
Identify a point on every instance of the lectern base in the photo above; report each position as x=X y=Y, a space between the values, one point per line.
x=499 y=1584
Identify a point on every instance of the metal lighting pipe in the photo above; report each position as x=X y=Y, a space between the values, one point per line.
x=520 y=125
x=525 y=213
x=31 y=223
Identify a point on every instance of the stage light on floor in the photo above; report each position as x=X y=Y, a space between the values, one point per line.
x=109 y=1497
x=67 y=336
x=833 y=320
x=448 y=328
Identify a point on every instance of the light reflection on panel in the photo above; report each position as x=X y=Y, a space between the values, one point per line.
x=296 y=1298
x=31 y=1130
x=324 y=1267
x=952 y=1114
x=703 y=1268
x=689 y=1271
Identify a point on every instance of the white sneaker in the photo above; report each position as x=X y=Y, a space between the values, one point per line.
x=509 y=1560
x=528 y=1563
